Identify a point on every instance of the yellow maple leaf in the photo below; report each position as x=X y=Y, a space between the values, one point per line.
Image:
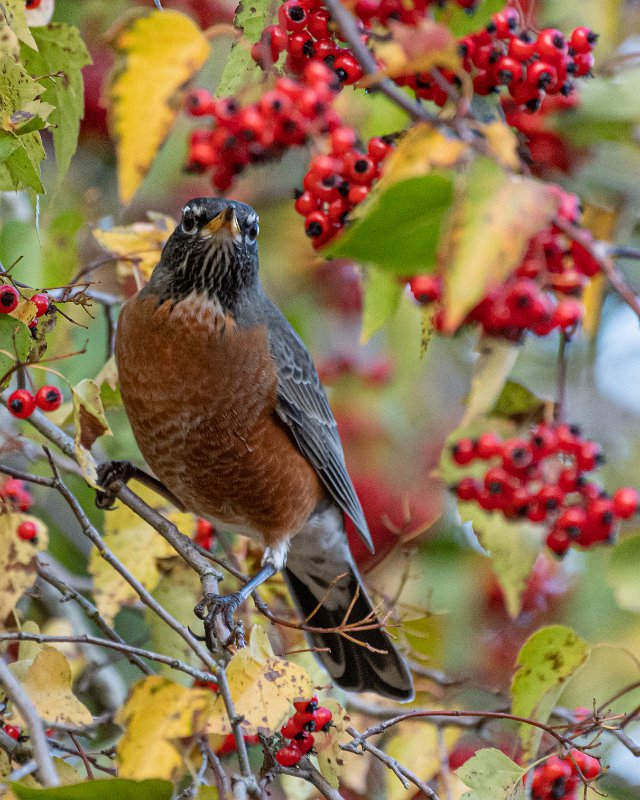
x=17 y=560
x=161 y=52
x=157 y=713
x=262 y=687
x=138 y=546
x=48 y=685
x=137 y=246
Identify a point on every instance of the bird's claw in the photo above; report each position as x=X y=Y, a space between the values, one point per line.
x=109 y=473
x=214 y=606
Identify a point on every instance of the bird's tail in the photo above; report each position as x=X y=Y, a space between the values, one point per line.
x=328 y=591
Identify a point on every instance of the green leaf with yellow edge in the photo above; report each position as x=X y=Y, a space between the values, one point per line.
x=156 y=714
x=252 y=17
x=417 y=746
x=262 y=686
x=513 y=546
x=137 y=246
x=421 y=150
x=546 y=660
x=15 y=14
x=119 y=788
x=48 y=686
x=90 y=423
x=382 y=293
x=15 y=340
x=491 y=775
x=495 y=215
x=399 y=228
x=138 y=546
x=496 y=358
x=17 y=560
x=60 y=49
x=160 y=51
x=177 y=591
x=622 y=572
x=516 y=400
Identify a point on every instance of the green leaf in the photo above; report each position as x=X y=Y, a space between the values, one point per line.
x=60 y=248
x=99 y=790
x=60 y=50
x=490 y=371
x=399 y=229
x=8 y=144
x=381 y=300
x=14 y=12
x=496 y=214
x=492 y=776
x=513 y=546
x=610 y=99
x=622 y=572
x=461 y=22
x=20 y=168
x=252 y=16
x=516 y=400
x=15 y=339
x=546 y=660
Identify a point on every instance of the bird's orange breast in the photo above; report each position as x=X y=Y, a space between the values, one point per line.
x=200 y=394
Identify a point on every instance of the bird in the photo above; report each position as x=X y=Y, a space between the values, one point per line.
x=229 y=413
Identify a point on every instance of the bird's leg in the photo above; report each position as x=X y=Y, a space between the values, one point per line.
x=226 y=605
x=125 y=471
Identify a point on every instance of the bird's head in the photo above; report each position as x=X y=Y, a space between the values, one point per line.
x=213 y=250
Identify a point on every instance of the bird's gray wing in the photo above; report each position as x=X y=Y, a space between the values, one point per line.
x=303 y=406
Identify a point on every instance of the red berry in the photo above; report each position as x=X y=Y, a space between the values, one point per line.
x=468 y=489
x=290 y=729
x=204 y=533
x=583 y=40
x=488 y=446
x=516 y=454
x=27 y=531
x=308 y=706
x=359 y=168
x=378 y=149
x=426 y=288
x=292 y=15
x=558 y=541
x=625 y=502
x=541 y=75
x=347 y=68
x=550 y=497
x=200 y=103
x=41 y=302
x=463 y=451
x=11 y=731
x=21 y=403
x=568 y=313
x=552 y=46
x=322 y=717
x=543 y=441
x=305 y=741
x=9 y=299
x=522 y=47
x=583 y=64
x=317 y=225
x=357 y=194
x=588 y=457
x=342 y=140
x=288 y=756
x=589 y=766
x=48 y=398
x=508 y=71
x=583 y=260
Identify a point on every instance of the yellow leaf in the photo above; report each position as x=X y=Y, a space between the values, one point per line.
x=503 y=143
x=138 y=546
x=48 y=685
x=417 y=747
x=137 y=246
x=17 y=560
x=262 y=687
x=495 y=216
x=331 y=759
x=90 y=423
x=161 y=51
x=156 y=714
x=420 y=151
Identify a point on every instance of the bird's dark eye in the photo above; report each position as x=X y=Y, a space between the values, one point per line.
x=252 y=232
x=189 y=222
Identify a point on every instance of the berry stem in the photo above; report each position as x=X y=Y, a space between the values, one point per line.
x=561 y=379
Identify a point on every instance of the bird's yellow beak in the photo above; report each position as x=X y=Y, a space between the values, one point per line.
x=226 y=221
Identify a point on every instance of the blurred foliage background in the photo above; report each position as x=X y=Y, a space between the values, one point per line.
x=396 y=411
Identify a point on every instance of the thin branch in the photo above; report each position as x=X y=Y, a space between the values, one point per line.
x=15 y=692
x=307 y=772
x=83 y=755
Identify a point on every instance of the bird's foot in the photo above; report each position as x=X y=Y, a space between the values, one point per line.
x=214 y=609
x=109 y=473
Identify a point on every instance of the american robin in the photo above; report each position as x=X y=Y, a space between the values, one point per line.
x=229 y=413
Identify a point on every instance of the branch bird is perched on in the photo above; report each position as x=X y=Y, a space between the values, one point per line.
x=228 y=411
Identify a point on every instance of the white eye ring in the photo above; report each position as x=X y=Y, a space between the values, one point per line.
x=252 y=232
x=189 y=222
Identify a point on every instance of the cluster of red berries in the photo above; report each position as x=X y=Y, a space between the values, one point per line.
x=529 y=65
x=22 y=403
x=14 y=497
x=289 y=114
x=385 y=11
x=542 y=478
x=304 y=32
x=298 y=729
x=204 y=534
x=542 y=294
x=558 y=778
x=337 y=181
x=10 y=297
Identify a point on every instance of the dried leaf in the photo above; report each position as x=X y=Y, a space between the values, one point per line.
x=161 y=51
x=48 y=685
x=138 y=245
x=17 y=560
x=156 y=714
x=90 y=423
x=262 y=687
